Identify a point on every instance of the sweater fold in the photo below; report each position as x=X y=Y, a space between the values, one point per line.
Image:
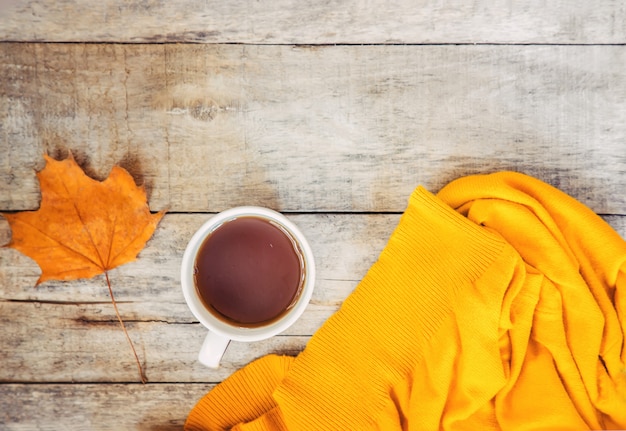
x=498 y=303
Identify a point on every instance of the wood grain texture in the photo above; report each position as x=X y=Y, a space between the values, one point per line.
x=331 y=111
x=57 y=344
x=314 y=129
x=344 y=245
x=97 y=407
x=68 y=332
x=328 y=22
x=82 y=343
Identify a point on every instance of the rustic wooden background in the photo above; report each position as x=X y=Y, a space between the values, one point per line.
x=332 y=112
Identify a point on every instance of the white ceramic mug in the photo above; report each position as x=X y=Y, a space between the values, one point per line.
x=222 y=332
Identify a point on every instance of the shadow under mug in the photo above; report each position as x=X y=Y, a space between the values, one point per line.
x=221 y=332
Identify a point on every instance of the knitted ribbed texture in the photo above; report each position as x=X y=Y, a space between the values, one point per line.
x=241 y=398
x=498 y=304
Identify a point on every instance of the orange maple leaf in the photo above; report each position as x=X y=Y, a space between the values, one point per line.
x=84 y=227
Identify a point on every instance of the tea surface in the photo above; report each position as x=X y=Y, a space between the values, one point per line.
x=248 y=271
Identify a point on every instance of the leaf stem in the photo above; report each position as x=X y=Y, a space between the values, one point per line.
x=117 y=312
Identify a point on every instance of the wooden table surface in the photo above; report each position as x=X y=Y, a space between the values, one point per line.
x=331 y=112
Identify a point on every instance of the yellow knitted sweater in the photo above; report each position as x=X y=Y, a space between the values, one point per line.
x=500 y=303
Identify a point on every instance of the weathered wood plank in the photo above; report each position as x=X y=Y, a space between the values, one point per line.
x=344 y=245
x=97 y=407
x=84 y=343
x=328 y=22
x=343 y=128
x=68 y=332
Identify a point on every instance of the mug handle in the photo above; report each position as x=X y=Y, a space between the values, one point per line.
x=212 y=350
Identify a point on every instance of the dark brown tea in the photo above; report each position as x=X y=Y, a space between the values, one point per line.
x=249 y=271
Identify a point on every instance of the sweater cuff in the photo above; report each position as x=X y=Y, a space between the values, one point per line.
x=244 y=396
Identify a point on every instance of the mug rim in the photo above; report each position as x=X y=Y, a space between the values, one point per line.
x=231 y=331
